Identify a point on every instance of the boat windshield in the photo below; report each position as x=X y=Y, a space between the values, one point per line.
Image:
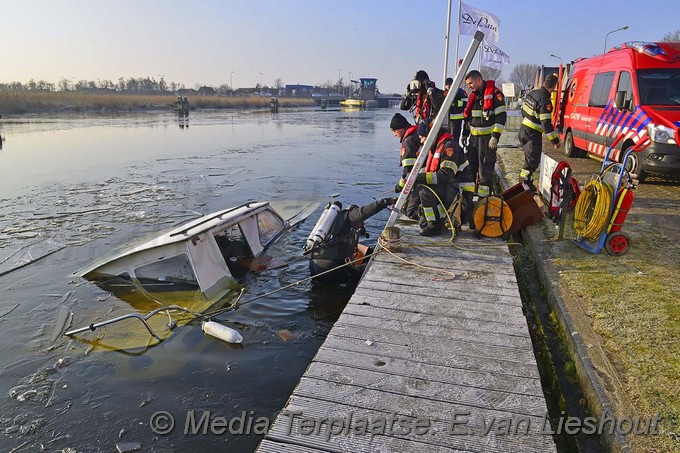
x=269 y=225
x=659 y=86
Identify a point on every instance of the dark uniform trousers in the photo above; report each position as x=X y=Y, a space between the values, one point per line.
x=482 y=159
x=445 y=192
x=531 y=142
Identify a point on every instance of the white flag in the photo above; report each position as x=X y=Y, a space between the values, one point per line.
x=492 y=56
x=472 y=19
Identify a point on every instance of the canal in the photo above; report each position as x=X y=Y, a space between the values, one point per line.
x=75 y=188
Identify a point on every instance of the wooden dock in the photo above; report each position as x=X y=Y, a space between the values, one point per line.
x=425 y=360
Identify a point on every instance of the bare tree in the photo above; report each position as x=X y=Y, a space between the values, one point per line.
x=524 y=75
x=490 y=73
x=673 y=36
x=64 y=84
x=278 y=83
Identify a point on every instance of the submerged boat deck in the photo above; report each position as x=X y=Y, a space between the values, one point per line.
x=426 y=364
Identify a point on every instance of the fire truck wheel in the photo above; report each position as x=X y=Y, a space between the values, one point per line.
x=617 y=244
x=634 y=165
x=569 y=148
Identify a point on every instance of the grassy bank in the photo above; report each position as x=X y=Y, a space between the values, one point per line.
x=17 y=102
x=628 y=309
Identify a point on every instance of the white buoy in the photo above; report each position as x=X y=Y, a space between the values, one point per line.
x=222 y=332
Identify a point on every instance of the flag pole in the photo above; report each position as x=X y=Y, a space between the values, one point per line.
x=446 y=45
x=458 y=32
x=480 y=56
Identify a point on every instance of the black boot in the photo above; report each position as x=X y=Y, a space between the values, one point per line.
x=531 y=186
x=431 y=229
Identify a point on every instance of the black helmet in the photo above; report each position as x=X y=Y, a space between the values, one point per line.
x=421 y=76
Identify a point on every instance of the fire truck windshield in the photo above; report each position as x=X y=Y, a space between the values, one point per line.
x=659 y=86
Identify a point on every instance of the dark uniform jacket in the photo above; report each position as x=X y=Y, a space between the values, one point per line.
x=458 y=105
x=489 y=118
x=537 y=115
x=453 y=165
x=410 y=144
x=426 y=105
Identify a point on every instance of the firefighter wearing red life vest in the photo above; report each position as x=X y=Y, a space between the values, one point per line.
x=410 y=144
x=446 y=169
x=456 y=110
x=422 y=97
x=537 y=111
x=484 y=123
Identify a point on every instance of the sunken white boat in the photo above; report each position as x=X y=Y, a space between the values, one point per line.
x=205 y=253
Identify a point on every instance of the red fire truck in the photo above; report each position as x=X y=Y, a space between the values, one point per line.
x=632 y=90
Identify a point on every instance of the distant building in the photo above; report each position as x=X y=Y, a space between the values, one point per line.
x=542 y=73
x=206 y=91
x=203 y=91
x=185 y=92
x=299 y=91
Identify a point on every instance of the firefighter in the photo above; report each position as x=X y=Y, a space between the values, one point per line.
x=484 y=118
x=445 y=170
x=340 y=242
x=410 y=144
x=456 y=110
x=537 y=112
x=422 y=97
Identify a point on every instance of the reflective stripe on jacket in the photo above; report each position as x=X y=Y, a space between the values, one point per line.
x=537 y=114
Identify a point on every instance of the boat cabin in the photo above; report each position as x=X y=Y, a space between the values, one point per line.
x=204 y=254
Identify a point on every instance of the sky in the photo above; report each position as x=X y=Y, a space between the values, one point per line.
x=310 y=42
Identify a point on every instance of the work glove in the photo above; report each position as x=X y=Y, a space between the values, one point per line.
x=430 y=91
x=398 y=188
x=385 y=202
x=465 y=140
x=493 y=143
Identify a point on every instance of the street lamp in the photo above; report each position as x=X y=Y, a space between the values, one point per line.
x=339 y=76
x=349 y=84
x=625 y=27
x=260 y=83
x=555 y=56
x=231 y=81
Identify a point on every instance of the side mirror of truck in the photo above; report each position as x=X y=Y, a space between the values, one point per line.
x=620 y=101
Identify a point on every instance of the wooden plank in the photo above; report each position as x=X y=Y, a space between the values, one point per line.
x=442 y=278
x=414 y=335
x=435 y=373
x=438 y=306
x=413 y=343
x=436 y=258
x=441 y=266
x=478 y=294
x=346 y=380
x=461 y=358
x=269 y=446
x=438 y=415
x=405 y=276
